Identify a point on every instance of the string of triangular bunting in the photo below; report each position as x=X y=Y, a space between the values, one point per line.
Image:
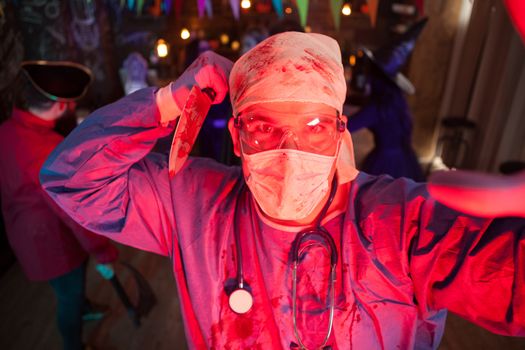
x=205 y=7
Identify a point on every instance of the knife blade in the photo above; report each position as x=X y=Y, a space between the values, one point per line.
x=190 y=122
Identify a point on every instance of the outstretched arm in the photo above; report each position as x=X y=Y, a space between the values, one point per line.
x=473 y=266
x=480 y=194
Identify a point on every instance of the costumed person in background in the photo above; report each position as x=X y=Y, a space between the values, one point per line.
x=49 y=245
x=134 y=72
x=296 y=248
x=387 y=114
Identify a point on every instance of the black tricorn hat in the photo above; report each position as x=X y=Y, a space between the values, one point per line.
x=392 y=57
x=58 y=80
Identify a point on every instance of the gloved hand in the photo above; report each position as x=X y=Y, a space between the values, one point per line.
x=107 y=271
x=480 y=194
x=209 y=70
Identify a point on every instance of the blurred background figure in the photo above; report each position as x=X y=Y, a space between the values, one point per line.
x=252 y=37
x=48 y=244
x=386 y=113
x=134 y=72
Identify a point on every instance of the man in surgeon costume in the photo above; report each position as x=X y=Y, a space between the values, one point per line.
x=401 y=258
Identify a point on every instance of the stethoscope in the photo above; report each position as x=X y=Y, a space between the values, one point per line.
x=241 y=299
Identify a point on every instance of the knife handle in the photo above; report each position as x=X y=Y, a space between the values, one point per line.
x=210 y=92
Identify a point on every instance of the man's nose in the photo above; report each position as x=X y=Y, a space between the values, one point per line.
x=289 y=140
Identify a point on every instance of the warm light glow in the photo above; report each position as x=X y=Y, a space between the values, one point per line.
x=235 y=45
x=185 y=34
x=246 y=4
x=162 y=48
x=288 y=10
x=308 y=29
x=346 y=10
x=225 y=39
x=352 y=60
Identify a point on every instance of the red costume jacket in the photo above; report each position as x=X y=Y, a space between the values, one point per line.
x=45 y=240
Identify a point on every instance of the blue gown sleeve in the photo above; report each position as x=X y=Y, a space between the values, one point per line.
x=471 y=266
x=474 y=267
x=104 y=176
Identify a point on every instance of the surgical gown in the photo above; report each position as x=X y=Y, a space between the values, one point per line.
x=403 y=258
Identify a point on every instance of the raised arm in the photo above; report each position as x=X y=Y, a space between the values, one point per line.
x=104 y=175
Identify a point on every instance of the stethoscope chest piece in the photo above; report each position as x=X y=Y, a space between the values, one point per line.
x=241 y=301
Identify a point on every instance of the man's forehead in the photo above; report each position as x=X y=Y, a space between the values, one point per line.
x=289 y=109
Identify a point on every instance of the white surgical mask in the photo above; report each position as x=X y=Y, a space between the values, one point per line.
x=288 y=184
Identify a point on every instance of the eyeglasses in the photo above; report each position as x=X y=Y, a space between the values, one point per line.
x=317 y=133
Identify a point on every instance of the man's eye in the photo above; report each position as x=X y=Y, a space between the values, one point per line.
x=264 y=128
x=317 y=129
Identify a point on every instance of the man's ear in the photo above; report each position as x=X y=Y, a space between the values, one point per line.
x=57 y=109
x=61 y=106
x=234 y=132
